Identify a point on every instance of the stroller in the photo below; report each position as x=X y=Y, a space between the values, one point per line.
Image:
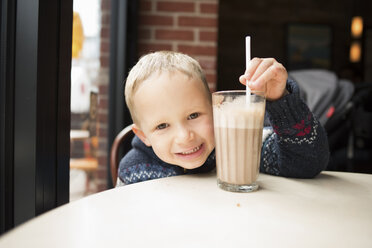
x=343 y=108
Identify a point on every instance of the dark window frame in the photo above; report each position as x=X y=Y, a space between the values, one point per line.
x=123 y=56
x=35 y=112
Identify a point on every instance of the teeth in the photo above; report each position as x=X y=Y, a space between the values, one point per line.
x=191 y=151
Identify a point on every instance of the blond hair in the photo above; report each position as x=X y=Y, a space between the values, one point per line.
x=159 y=62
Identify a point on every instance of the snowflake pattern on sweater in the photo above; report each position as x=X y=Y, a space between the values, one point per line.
x=143 y=172
x=295 y=145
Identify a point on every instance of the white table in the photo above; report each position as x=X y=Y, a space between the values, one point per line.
x=333 y=210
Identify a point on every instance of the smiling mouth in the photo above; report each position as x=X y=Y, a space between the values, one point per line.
x=191 y=151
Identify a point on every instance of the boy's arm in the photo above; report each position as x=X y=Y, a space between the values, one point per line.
x=298 y=146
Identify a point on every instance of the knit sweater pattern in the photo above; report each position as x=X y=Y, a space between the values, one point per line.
x=294 y=145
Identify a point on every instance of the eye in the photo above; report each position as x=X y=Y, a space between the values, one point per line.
x=193 y=116
x=162 y=126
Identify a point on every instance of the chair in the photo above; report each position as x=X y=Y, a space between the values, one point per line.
x=122 y=142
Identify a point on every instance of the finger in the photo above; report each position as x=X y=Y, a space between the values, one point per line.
x=258 y=85
x=252 y=67
x=272 y=82
x=275 y=72
x=261 y=82
x=264 y=66
x=243 y=79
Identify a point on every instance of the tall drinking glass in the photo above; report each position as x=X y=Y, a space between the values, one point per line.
x=238 y=123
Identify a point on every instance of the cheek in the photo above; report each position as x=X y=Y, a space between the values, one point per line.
x=160 y=147
x=211 y=135
x=159 y=153
x=207 y=129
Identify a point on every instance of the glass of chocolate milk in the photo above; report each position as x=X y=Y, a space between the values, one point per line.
x=238 y=123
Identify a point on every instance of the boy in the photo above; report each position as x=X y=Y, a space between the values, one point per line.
x=170 y=104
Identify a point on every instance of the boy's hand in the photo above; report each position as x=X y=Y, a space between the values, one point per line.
x=266 y=75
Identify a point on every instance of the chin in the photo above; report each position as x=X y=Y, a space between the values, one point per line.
x=190 y=166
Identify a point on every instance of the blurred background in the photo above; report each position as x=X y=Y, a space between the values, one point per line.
x=332 y=35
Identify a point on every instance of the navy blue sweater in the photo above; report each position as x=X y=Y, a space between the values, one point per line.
x=296 y=146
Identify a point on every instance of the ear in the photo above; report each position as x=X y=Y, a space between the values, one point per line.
x=137 y=131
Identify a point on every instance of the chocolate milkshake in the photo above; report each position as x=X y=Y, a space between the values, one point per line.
x=238 y=138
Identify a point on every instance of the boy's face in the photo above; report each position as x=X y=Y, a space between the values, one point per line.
x=175 y=118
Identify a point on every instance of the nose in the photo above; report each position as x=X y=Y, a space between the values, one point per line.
x=184 y=134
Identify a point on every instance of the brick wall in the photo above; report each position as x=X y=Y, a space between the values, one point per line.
x=100 y=177
x=188 y=26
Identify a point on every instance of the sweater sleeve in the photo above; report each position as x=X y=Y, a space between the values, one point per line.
x=298 y=145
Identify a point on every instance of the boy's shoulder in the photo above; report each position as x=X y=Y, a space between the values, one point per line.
x=139 y=154
x=141 y=164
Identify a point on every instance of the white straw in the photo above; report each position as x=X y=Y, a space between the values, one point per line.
x=247 y=59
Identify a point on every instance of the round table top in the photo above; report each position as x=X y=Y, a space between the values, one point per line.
x=332 y=210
